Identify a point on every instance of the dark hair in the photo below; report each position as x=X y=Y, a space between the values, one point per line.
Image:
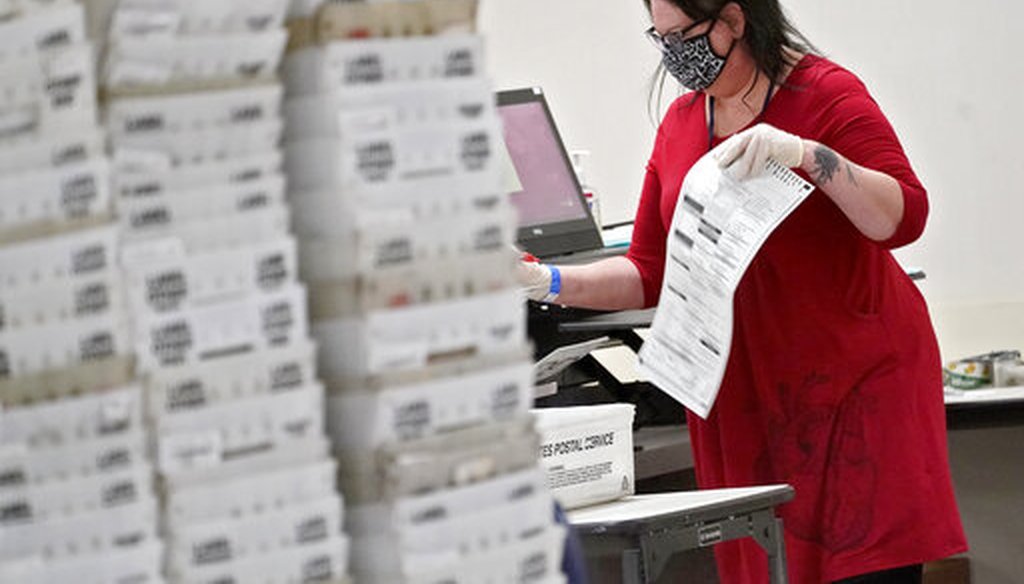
x=768 y=32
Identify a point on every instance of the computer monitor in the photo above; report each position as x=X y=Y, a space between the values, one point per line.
x=554 y=218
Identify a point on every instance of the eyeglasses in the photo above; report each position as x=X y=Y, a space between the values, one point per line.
x=665 y=41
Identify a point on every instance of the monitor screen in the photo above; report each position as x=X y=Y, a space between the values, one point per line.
x=553 y=215
x=550 y=193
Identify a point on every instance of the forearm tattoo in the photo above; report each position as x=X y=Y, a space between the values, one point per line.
x=826 y=163
x=850 y=174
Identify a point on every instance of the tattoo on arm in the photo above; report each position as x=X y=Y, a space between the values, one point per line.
x=826 y=164
x=850 y=175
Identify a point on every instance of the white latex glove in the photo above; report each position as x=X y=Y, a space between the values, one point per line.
x=746 y=154
x=535 y=278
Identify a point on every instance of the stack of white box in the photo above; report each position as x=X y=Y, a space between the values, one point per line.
x=392 y=157
x=194 y=116
x=77 y=502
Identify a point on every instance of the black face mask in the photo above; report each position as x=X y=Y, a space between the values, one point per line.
x=692 y=61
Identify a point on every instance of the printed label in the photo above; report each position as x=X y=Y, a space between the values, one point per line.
x=312 y=529
x=501 y=333
x=375 y=161
x=172 y=343
x=476 y=151
x=97 y=346
x=166 y=291
x=90 y=259
x=143 y=189
x=78 y=195
x=13 y=476
x=119 y=493
x=68 y=154
x=15 y=512
x=573 y=445
x=211 y=552
x=113 y=459
x=91 y=299
x=490 y=238
x=505 y=401
x=62 y=89
x=278 y=322
x=522 y=492
x=251 y=69
x=459 y=63
x=286 y=376
x=412 y=419
x=394 y=252
x=471 y=110
x=247 y=175
x=271 y=271
x=257 y=200
x=54 y=39
x=366 y=68
x=150 y=217
x=144 y=123
x=534 y=568
x=130 y=539
x=430 y=514
x=709 y=534
x=259 y=22
x=248 y=113
x=189 y=394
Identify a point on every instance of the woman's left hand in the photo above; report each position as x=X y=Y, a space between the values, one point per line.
x=747 y=153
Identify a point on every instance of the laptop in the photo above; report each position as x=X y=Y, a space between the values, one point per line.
x=555 y=223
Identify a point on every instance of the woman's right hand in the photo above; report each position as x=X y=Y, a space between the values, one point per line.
x=541 y=282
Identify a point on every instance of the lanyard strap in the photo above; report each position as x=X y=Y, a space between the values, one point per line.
x=711 y=114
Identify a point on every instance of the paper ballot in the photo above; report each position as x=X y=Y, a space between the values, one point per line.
x=718 y=226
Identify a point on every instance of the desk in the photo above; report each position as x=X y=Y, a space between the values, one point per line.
x=986 y=431
x=1000 y=396
x=650 y=529
x=985 y=408
x=660 y=451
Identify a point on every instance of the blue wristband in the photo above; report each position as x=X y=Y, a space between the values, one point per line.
x=556 y=284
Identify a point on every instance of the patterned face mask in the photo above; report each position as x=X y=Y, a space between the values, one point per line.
x=691 y=61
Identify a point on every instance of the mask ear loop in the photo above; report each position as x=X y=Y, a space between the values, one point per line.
x=711 y=100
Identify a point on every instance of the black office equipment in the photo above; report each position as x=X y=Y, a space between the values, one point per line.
x=554 y=217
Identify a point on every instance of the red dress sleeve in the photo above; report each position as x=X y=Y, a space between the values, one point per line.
x=647 y=249
x=856 y=128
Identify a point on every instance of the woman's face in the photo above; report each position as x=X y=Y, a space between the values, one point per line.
x=668 y=18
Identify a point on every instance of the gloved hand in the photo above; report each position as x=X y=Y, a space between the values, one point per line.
x=540 y=281
x=746 y=153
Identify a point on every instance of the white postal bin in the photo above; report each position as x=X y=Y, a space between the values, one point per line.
x=587 y=452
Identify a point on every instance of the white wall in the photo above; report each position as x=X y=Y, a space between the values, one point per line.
x=593 y=62
x=949 y=79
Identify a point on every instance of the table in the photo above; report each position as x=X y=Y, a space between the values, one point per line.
x=652 y=528
x=986 y=430
x=661 y=450
x=984 y=408
x=998 y=396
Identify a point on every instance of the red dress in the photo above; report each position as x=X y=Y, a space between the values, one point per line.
x=834 y=379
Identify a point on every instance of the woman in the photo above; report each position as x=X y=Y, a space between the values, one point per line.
x=833 y=383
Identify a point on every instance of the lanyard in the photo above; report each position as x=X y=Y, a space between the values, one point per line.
x=711 y=114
